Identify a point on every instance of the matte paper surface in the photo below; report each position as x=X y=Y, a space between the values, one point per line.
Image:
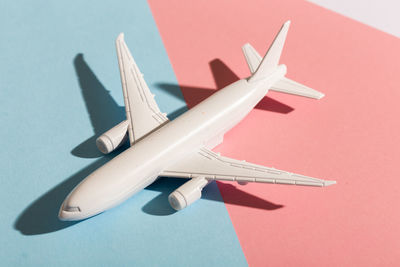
x=60 y=89
x=351 y=135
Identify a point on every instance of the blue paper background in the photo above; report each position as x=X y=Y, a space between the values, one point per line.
x=59 y=89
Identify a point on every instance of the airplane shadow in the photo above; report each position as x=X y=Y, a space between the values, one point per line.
x=159 y=205
x=103 y=111
x=40 y=216
x=223 y=76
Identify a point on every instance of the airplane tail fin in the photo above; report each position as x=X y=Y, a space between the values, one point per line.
x=271 y=59
x=262 y=67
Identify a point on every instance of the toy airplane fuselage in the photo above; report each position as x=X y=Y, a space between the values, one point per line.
x=181 y=148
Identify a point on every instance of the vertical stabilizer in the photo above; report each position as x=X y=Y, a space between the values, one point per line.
x=284 y=85
x=271 y=58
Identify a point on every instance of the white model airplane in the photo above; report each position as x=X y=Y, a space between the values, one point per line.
x=182 y=148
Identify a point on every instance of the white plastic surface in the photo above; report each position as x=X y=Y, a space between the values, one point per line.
x=113 y=138
x=284 y=85
x=188 y=193
x=179 y=148
x=213 y=166
x=271 y=60
x=142 y=111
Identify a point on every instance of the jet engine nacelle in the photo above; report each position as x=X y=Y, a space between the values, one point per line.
x=188 y=193
x=113 y=138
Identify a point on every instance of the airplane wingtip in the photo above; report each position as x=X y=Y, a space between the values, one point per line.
x=320 y=95
x=121 y=36
x=246 y=45
x=328 y=183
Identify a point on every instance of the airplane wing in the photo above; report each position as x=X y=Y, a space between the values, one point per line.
x=284 y=85
x=213 y=166
x=142 y=111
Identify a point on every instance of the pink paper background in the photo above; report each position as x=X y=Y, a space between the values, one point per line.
x=351 y=135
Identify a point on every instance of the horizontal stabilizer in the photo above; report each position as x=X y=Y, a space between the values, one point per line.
x=284 y=85
x=288 y=86
x=253 y=58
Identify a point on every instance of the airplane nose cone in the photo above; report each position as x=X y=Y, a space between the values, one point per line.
x=95 y=194
x=69 y=213
x=83 y=202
